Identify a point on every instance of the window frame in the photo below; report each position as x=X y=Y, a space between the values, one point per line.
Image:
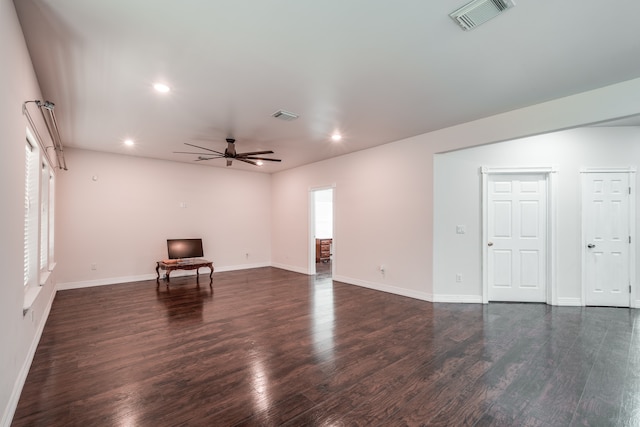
x=39 y=216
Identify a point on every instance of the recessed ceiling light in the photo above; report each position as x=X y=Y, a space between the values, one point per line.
x=128 y=142
x=336 y=137
x=161 y=87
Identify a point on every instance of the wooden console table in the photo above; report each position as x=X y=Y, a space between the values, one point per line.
x=192 y=264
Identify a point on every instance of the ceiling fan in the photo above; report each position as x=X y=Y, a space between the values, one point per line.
x=230 y=154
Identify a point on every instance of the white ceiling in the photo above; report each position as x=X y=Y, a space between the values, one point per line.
x=377 y=71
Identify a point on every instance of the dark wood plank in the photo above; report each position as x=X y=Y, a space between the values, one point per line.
x=270 y=347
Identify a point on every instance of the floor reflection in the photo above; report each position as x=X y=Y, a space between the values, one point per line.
x=184 y=301
x=323 y=313
x=260 y=383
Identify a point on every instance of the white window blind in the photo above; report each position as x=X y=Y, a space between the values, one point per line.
x=28 y=190
x=52 y=198
x=44 y=217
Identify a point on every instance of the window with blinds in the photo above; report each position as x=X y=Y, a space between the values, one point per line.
x=39 y=180
x=52 y=198
x=44 y=217
x=28 y=196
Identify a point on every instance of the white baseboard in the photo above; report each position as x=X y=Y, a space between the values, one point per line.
x=290 y=268
x=424 y=296
x=153 y=276
x=106 y=281
x=570 y=302
x=12 y=405
x=240 y=267
x=459 y=299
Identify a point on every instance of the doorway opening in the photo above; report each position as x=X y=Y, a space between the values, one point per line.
x=321 y=250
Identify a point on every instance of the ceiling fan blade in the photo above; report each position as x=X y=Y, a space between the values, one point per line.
x=204 y=148
x=200 y=158
x=243 y=159
x=254 y=153
x=189 y=152
x=259 y=158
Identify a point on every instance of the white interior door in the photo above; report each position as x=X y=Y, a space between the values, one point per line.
x=517 y=237
x=607 y=238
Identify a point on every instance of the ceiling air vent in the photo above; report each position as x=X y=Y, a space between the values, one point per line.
x=285 y=115
x=478 y=12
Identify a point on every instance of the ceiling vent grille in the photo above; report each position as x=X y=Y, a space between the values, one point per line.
x=285 y=115
x=478 y=12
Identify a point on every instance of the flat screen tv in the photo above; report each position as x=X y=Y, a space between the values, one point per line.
x=184 y=248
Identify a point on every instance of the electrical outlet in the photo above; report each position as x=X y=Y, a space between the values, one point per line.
x=461 y=229
x=459 y=278
x=94 y=266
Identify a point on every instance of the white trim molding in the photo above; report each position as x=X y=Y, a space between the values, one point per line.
x=631 y=171
x=570 y=302
x=458 y=299
x=518 y=170
x=424 y=296
x=550 y=173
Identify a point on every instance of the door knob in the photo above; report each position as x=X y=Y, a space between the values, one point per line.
x=591 y=246
x=490 y=244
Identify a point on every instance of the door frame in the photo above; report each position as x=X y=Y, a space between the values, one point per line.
x=550 y=175
x=311 y=262
x=631 y=171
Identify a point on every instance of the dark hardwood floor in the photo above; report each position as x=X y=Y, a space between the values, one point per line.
x=269 y=347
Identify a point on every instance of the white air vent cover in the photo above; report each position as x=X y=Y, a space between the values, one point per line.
x=479 y=11
x=285 y=115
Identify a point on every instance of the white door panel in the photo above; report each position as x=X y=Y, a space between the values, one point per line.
x=517 y=229
x=606 y=233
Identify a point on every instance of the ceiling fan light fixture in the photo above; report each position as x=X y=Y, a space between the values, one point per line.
x=285 y=115
x=230 y=154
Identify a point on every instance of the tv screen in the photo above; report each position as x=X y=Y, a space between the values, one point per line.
x=184 y=248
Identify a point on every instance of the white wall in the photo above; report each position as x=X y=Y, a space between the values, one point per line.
x=19 y=334
x=379 y=194
x=121 y=220
x=384 y=198
x=458 y=201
